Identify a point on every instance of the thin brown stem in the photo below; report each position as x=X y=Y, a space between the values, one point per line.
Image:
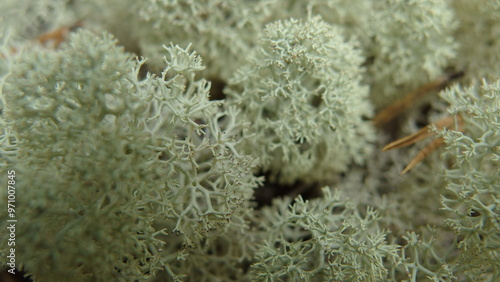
x=431 y=147
x=393 y=110
x=421 y=134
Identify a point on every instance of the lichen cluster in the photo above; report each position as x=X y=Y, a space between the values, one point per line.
x=233 y=140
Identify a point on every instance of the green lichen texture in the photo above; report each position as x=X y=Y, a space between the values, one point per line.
x=209 y=140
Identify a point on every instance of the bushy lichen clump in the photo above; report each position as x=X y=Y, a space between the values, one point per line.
x=477 y=34
x=108 y=163
x=303 y=94
x=413 y=43
x=474 y=183
x=128 y=169
x=217 y=29
x=320 y=240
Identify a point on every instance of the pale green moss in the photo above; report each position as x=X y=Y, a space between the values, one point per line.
x=126 y=175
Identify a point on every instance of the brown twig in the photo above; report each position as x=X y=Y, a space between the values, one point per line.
x=58 y=36
x=422 y=134
x=393 y=110
x=431 y=147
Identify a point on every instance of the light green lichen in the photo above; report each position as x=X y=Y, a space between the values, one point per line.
x=303 y=95
x=108 y=163
x=188 y=140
